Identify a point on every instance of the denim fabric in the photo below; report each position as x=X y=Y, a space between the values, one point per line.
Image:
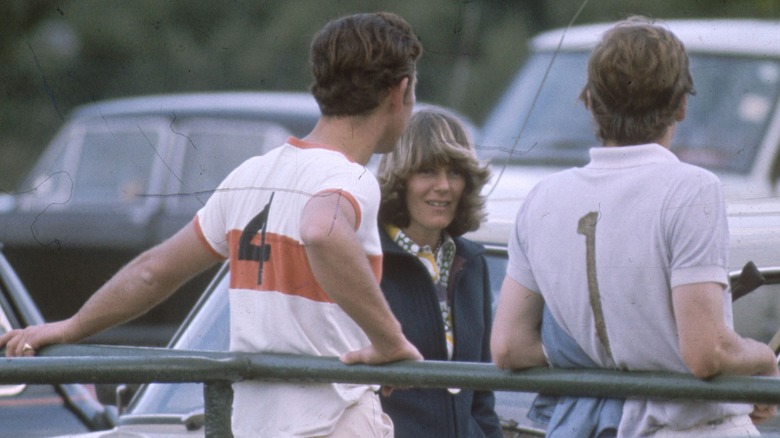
x=572 y=416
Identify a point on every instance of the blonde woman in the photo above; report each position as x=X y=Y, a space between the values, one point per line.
x=435 y=281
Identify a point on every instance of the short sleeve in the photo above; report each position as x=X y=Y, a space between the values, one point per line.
x=211 y=222
x=519 y=266
x=696 y=216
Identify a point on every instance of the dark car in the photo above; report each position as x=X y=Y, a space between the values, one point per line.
x=122 y=175
x=41 y=410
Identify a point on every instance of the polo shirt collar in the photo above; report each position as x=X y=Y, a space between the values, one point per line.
x=628 y=156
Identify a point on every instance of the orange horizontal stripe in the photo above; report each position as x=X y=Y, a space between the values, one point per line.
x=287 y=270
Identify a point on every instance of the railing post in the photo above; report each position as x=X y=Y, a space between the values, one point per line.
x=218 y=398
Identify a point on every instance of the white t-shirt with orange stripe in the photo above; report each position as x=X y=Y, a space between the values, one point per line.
x=283 y=309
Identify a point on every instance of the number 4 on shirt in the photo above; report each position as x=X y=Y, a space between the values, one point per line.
x=249 y=251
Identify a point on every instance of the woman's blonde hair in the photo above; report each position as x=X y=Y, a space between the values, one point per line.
x=433 y=137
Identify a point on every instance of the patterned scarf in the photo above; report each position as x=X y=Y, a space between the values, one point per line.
x=438 y=262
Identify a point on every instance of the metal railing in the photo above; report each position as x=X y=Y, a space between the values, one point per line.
x=102 y=364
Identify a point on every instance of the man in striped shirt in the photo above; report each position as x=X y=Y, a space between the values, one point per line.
x=299 y=226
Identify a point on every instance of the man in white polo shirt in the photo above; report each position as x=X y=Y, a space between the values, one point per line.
x=628 y=254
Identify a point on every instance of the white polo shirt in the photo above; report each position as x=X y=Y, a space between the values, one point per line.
x=656 y=223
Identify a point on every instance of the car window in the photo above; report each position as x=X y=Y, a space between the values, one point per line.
x=7 y=390
x=49 y=182
x=214 y=147
x=539 y=119
x=728 y=116
x=208 y=330
x=726 y=119
x=496 y=262
x=117 y=160
x=7 y=325
x=98 y=162
x=116 y=164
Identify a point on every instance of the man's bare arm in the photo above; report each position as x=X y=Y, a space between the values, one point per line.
x=708 y=346
x=516 y=340
x=342 y=269
x=143 y=283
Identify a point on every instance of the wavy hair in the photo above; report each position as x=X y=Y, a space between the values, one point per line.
x=356 y=59
x=637 y=78
x=433 y=137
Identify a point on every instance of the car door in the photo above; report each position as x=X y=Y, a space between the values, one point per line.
x=40 y=410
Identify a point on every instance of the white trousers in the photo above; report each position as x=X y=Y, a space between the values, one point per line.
x=739 y=425
x=364 y=419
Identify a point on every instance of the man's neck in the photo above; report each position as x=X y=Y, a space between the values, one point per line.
x=356 y=137
x=665 y=140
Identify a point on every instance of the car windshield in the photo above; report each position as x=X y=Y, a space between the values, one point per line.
x=207 y=330
x=116 y=166
x=214 y=147
x=540 y=120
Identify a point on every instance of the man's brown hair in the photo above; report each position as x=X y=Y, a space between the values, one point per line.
x=356 y=59
x=637 y=78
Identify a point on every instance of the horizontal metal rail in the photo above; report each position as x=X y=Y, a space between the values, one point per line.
x=104 y=364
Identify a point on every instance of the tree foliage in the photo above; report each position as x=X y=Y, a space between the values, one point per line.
x=57 y=54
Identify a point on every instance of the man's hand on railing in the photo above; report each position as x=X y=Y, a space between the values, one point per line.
x=372 y=356
x=763 y=413
x=25 y=342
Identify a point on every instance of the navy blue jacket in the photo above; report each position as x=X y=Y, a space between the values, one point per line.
x=425 y=413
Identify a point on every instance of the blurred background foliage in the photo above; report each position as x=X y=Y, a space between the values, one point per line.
x=55 y=55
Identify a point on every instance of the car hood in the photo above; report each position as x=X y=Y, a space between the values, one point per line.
x=505 y=191
x=144 y=431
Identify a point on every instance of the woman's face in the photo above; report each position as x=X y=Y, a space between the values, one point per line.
x=432 y=196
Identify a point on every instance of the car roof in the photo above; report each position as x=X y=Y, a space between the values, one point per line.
x=278 y=104
x=296 y=111
x=233 y=103
x=743 y=36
